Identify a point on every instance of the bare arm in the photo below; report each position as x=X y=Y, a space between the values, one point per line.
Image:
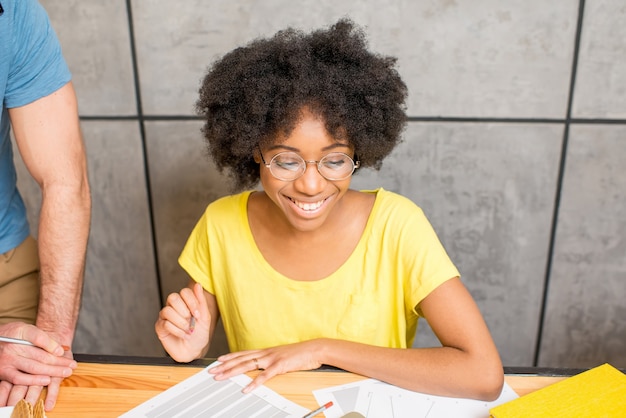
x=467 y=364
x=48 y=136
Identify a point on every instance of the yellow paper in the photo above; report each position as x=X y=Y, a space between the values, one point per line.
x=599 y=393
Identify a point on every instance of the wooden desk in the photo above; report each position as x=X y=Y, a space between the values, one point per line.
x=103 y=387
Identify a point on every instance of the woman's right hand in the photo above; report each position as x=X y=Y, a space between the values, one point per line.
x=183 y=325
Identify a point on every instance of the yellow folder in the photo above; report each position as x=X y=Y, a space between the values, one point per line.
x=599 y=393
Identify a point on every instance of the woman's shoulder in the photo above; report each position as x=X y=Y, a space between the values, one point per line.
x=387 y=200
x=228 y=202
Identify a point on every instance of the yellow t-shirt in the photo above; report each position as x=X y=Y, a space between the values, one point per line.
x=371 y=298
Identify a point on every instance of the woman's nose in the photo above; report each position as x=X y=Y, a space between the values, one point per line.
x=311 y=181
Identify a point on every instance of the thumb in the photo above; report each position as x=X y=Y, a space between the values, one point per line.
x=203 y=306
x=42 y=340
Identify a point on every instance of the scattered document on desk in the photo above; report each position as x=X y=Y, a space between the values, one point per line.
x=201 y=395
x=6 y=411
x=374 y=399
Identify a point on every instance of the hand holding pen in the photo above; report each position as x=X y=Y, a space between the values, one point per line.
x=183 y=324
x=30 y=357
x=25 y=342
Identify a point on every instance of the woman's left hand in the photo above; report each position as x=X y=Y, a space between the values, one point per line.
x=271 y=361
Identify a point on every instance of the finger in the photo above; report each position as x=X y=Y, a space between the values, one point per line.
x=192 y=302
x=52 y=394
x=170 y=322
x=52 y=366
x=178 y=312
x=70 y=355
x=235 y=355
x=46 y=359
x=176 y=301
x=18 y=392
x=37 y=354
x=203 y=306
x=26 y=379
x=226 y=361
x=172 y=330
x=259 y=380
x=5 y=390
x=238 y=366
x=32 y=394
x=42 y=340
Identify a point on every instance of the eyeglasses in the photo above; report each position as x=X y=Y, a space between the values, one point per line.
x=288 y=166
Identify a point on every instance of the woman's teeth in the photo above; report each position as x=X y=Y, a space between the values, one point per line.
x=309 y=206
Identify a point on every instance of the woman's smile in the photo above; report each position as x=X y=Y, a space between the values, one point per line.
x=308 y=206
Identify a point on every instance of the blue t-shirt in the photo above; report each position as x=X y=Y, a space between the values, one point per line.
x=31 y=67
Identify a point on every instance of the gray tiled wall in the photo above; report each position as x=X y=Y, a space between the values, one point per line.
x=493 y=151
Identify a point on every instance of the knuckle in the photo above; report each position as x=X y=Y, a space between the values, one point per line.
x=172 y=298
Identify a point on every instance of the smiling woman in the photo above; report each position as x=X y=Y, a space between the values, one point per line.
x=306 y=196
x=307 y=271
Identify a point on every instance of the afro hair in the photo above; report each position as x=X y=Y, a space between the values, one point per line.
x=255 y=92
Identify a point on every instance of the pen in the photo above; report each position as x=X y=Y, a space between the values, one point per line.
x=318 y=410
x=23 y=342
x=192 y=323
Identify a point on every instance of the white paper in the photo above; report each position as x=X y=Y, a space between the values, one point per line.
x=201 y=395
x=5 y=412
x=375 y=399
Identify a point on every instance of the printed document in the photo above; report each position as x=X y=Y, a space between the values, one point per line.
x=373 y=399
x=202 y=396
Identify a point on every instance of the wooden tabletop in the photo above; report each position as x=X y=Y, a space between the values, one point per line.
x=108 y=390
x=104 y=387
x=105 y=390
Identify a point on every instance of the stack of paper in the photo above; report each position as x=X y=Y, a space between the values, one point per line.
x=201 y=396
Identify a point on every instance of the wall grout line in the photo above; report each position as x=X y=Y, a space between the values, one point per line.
x=142 y=130
x=410 y=119
x=559 y=186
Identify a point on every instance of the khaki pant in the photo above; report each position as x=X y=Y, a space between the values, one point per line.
x=19 y=283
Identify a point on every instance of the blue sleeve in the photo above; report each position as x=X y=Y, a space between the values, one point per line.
x=38 y=68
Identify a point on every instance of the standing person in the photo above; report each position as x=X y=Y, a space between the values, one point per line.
x=307 y=271
x=40 y=282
